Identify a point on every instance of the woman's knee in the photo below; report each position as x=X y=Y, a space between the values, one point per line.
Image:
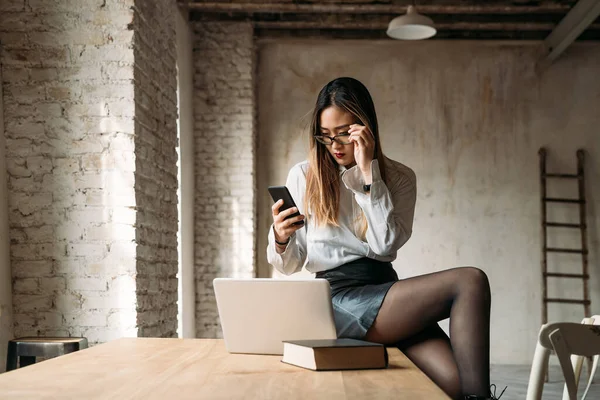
x=474 y=279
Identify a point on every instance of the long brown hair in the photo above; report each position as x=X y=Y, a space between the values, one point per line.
x=322 y=200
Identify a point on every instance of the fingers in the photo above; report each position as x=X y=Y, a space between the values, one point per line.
x=297 y=219
x=286 y=213
x=359 y=139
x=279 y=217
x=361 y=135
x=360 y=128
x=275 y=207
x=285 y=228
x=364 y=144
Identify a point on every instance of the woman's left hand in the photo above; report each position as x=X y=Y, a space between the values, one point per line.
x=364 y=149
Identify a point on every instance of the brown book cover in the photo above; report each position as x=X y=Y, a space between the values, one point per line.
x=334 y=354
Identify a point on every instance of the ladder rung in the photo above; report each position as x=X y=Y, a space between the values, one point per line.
x=563 y=176
x=557 y=200
x=570 y=301
x=563 y=225
x=561 y=275
x=557 y=250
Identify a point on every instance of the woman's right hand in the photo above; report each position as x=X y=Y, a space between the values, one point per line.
x=284 y=228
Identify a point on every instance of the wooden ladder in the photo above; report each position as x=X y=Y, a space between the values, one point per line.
x=580 y=200
x=581 y=226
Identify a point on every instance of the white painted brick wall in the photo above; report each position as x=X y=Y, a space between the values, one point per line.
x=92 y=193
x=156 y=167
x=225 y=151
x=58 y=122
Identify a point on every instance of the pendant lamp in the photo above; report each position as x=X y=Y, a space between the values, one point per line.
x=411 y=26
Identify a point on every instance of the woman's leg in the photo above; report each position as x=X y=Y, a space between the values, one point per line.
x=463 y=294
x=430 y=350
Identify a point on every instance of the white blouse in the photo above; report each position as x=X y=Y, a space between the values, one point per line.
x=389 y=213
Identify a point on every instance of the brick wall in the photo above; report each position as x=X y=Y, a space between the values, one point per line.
x=156 y=167
x=79 y=164
x=6 y=308
x=225 y=150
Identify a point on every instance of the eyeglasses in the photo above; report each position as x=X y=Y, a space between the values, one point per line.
x=343 y=138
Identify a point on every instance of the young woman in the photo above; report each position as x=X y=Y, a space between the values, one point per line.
x=357 y=207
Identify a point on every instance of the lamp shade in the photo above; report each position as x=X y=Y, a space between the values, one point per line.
x=411 y=26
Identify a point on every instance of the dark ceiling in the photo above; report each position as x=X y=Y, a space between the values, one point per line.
x=364 y=19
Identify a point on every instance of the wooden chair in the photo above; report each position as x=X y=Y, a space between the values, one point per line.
x=566 y=339
x=577 y=362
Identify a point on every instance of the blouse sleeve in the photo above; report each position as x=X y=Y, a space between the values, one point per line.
x=293 y=258
x=389 y=211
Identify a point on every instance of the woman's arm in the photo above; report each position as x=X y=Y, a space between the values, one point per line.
x=290 y=258
x=389 y=211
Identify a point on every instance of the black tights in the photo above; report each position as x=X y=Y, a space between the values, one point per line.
x=408 y=318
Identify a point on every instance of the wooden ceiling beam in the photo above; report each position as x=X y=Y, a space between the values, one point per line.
x=321 y=34
x=461 y=26
x=572 y=25
x=319 y=8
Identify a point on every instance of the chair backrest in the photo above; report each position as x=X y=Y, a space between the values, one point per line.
x=578 y=339
x=577 y=363
x=566 y=339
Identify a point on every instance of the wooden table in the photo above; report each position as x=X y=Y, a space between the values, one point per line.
x=144 y=368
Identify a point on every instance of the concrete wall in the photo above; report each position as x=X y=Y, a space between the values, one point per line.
x=6 y=322
x=90 y=118
x=225 y=200
x=185 y=75
x=469 y=118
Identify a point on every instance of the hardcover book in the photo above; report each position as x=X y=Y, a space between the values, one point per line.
x=334 y=354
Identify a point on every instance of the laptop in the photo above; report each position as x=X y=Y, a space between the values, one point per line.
x=258 y=314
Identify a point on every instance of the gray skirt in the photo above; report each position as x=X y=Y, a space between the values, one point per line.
x=357 y=292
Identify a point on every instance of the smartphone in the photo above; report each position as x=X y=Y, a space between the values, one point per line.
x=282 y=193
